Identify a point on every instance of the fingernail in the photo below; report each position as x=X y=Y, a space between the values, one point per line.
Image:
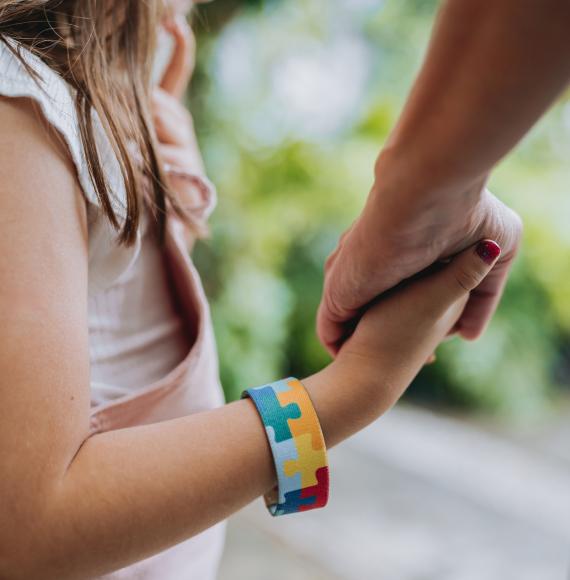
x=488 y=251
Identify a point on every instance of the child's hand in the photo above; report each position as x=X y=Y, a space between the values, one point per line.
x=172 y=121
x=177 y=144
x=401 y=330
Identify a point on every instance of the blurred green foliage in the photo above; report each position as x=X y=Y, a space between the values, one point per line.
x=292 y=101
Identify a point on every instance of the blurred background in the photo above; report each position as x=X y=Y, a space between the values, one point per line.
x=469 y=477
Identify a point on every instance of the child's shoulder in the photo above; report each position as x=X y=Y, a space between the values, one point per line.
x=24 y=74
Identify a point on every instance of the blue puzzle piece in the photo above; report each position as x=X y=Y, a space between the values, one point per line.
x=273 y=413
x=293 y=500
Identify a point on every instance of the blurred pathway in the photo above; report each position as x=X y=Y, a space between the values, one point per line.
x=417 y=496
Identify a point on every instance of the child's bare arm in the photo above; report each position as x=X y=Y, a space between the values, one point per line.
x=63 y=492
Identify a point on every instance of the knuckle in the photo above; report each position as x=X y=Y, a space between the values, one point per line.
x=510 y=234
x=328 y=264
x=331 y=258
x=466 y=278
x=505 y=226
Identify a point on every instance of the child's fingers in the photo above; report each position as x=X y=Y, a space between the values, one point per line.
x=179 y=70
x=172 y=122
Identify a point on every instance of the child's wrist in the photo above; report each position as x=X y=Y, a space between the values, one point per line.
x=347 y=397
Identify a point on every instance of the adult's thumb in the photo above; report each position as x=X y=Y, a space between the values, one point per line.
x=468 y=269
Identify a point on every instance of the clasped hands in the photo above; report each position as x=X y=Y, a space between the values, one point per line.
x=408 y=273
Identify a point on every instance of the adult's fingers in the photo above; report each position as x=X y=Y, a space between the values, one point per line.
x=440 y=298
x=329 y=262
x=351 y=281
x=179 y=70
x=466 y=271
x=483 y=302
x=332 y=331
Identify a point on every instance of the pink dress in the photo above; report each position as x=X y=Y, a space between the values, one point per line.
x=190 y=387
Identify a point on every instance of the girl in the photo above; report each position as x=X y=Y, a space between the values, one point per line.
x=119 y=457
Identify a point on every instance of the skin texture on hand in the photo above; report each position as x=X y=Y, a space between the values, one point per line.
x=491 y=70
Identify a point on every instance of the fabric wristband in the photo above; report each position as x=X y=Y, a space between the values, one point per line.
x=297 y=445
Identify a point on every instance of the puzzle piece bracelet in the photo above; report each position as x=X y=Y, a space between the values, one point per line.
x=297 y=445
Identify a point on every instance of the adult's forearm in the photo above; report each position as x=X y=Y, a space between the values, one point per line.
x=491 y=70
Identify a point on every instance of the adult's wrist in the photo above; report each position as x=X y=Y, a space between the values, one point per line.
x=408 y=205
x=401 y=171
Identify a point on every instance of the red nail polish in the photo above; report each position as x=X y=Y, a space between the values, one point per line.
x=488 y=251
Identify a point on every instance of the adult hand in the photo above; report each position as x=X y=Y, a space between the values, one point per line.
x=490 y=71
x=396 y=237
